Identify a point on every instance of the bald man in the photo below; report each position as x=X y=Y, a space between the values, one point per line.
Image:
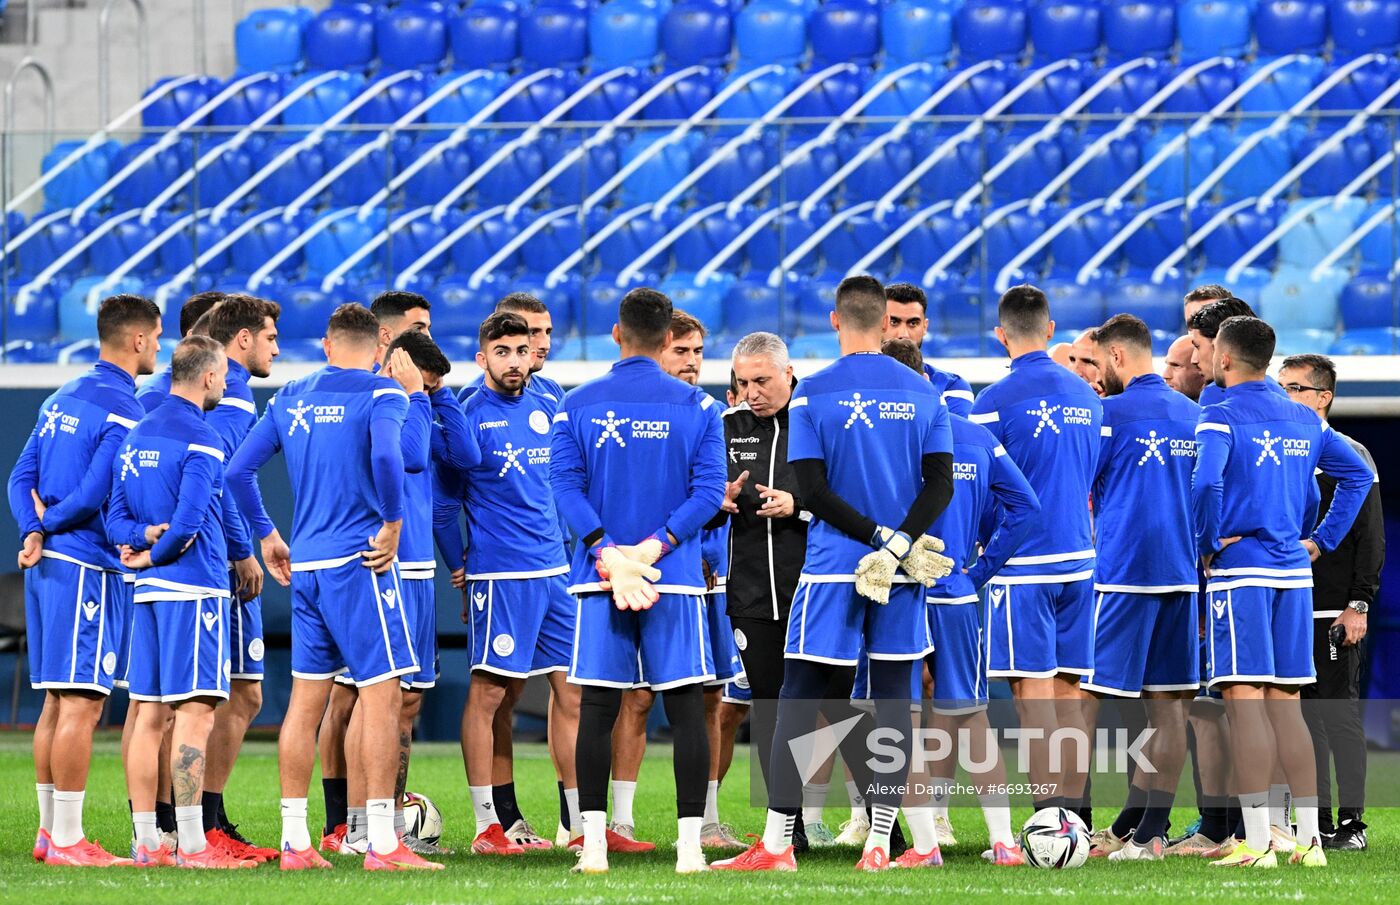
x=1180 y=372
x=1059 y=354
x=1084 y=361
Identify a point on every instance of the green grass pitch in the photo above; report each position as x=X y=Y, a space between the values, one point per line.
x=826 y=876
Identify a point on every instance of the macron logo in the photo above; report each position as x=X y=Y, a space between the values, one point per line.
x=209 y=620
x=811 y=751
x=388 y=596
x=858 y=407
x=89 y=610
x=480 y=600
x=1267 y=444
x=610 y=426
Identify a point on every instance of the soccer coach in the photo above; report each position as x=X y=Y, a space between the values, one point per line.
x=768 y=529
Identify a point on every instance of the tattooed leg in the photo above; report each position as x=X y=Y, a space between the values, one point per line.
x=193 y=722
x=412 y=704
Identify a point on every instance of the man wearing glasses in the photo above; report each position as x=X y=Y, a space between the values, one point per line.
x=1345 y=582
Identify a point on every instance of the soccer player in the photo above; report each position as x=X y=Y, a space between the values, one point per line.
x=541 y=339
x=1084 y=361
x=637 y=467
x=516 y=601
x=246 y=328
x=1180 y=372
x=1204 y=326
x=1144 y=618
x=907 y=308
x=1040 y=604
x=339 y=430
x=152 y=392
x=989 y=489
x=57 y=491
x=872 y=448
x=1253 y=492
x=1201 y=296
x=166 y=517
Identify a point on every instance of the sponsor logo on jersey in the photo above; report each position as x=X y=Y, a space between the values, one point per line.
x=511 y=454
x=964 y=471
x=1046 y=414
x=320 y=414
x=128 y=457
x=610 y=425
x=1184 y=448
x=650 y=430
x=857 y=405
x=539 y=422
x=1266 y=446
x=1293 y=446
x=487 y=425
x=55 y=420
x=1154 y=448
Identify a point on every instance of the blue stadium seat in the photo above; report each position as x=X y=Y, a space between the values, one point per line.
x=180 y=250
x=844 y=31
x=1283 y=87
x=1053 y=93
x=705 y=303
x=80 y=179
x=1368 y=301
x=438 y=176
x=305 y=310
x=1312 y=239
x=118 y=244
x=50 y=243
x=223 y=174
x=340 y=37
x=1009 y=236
x=546 y=249
x=928 y=242
x=329 y=248
x=915 y=31
x=259 y=245
x=751 y=304
x=767 y=249
x=324 y=100
x=517 y=171
x=249 y=102
x=695 y=247
x=484 y=37
x=294 y=176
x=1209 y=28
x=880 y=172
x=1378 y=246
x=623 y=33
x=990 y=30
x=1182 y=171
x=1158 y=305
x=458 y=308
x=1304 y=341
x=756 y=97
x=473 y=249
x=181 y=103
x=1066 y=28
x=1073 y=247
x=815 y=345
x=735 y=169
x=1138 y=28
x=1365 y=26
x=843 y=247
x=1360 y=87
x=1246 y=285
x=367 y=175
x=1155 y=239
x=268 y=40
x=1203 y=91
x=1107 y=169
x=1293 y=300
x=1375 y=341
x=1340 y=164
x=1074 y=306
x=1128 y=91
x=391 y=103
x=770 y=31
x=554 y=36
x=1241 y=232
x=1290 y=26
x=626 y=244
x=816 y=299
x=143 y=185
x=696 y=32
x=661 y=171
x=413 y=36
x=1029 y=173
x=1259 y=168
x=466 y=100
x=598 y=164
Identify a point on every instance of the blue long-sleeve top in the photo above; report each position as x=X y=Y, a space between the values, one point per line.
x=988 y=490
x=340 y=433
x=954 y=389
x=633 y=452
x=68 y=459
x=416 y=558
x=1255 y=478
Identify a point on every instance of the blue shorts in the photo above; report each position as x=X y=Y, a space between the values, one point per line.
x=76 y=619
x=346 y=618
x=737 y=691
x=723 y=653
x=246 y=638
x=124 y=651
x=420 y=598
x=1261 y=636
x=180 y=650
x=1145 y=642
x=831 y=623
x=959 y=677
x=521 y=626
x=1205 y=692
x=663 y=647
x=861 y=690
x=1036 y=631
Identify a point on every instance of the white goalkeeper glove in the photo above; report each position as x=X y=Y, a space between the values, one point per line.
x=925 y=562
x=650 y=550
x=628 y=579
x=875 y=572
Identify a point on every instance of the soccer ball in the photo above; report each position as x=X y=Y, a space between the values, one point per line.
x=421 y=817
x=1055 y=838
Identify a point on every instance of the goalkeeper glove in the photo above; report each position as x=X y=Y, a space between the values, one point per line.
x=925 y=562
x=649 y=550
x=875 y=572
x=627 y=579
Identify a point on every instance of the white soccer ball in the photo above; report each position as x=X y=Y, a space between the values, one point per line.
x=1055 y=838
x=421 y=817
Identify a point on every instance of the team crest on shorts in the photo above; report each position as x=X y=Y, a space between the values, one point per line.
x=740 y=640
x=109 y=662
x=503 y=645
x=255 y=650
x=539 y=422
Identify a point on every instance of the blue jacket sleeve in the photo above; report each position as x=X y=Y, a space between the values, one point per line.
x=1014 y=498
x=121 y=527
x=92 y=491
x=23 y=479
x=957 y=395
x=447 y=524
x=386 y=462
x=984 y=412
x=707 y=477
x=1213 y=451
x=196 y=494
x=452 y=441
x=567 y=477
x=235 y=529
x=416 y=433
x=261 y=444
x=1354 y=480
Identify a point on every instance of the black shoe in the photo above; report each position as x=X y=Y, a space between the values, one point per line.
x=1350 y=836
x=799 y=837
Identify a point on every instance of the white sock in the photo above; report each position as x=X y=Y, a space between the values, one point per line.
x=1255 y=807
x=143 y=824
x=355 y=824
x=1306 y=809
x=484 y=808
x=941 y=785
x=595 y=829
x=777 y=831
x=1278 y=806
x=712 y=801
x=922 y=829
x=45 y=793
x=67 y=818
x=857 y=799
x=814 y=800
x=400 y=824
x=379 y=815
x=190 y=824
x=294 y=832
x=882 y=817
x=688 y=832
x=575 y=820
x=996 y=811
x=622 y=795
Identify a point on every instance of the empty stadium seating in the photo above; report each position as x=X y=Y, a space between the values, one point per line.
x=747 y=156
